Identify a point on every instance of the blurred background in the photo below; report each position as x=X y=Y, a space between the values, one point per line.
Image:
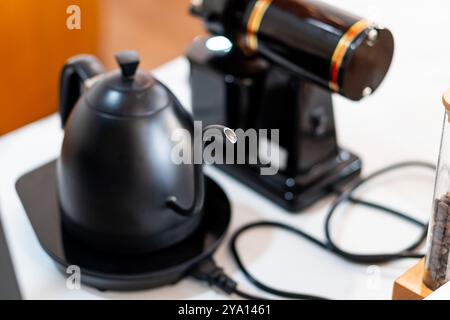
x=36 y=43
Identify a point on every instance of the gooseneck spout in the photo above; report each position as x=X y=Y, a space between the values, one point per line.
x=199 y=185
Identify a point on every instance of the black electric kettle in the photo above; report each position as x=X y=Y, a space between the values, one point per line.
x=118 y=188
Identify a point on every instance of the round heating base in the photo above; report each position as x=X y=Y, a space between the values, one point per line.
x=105 y=271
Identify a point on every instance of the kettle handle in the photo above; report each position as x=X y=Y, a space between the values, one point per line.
x=76 y=71
x=199 y=183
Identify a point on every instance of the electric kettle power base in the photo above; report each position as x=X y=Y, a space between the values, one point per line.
x=111 y=271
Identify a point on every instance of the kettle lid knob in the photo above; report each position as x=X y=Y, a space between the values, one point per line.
x=128 y=62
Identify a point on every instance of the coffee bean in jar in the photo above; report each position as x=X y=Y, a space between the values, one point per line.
x=439 y=244
x=437 y=265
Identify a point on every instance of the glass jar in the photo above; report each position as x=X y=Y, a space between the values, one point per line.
x=437 y=265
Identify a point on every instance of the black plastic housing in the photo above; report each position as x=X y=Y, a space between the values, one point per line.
x=323 y=44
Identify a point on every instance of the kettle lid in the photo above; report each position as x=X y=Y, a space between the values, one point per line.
x=128 y=92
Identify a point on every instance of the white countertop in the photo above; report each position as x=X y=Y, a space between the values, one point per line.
x=402 y=121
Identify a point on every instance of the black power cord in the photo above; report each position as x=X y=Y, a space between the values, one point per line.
x=211 y=273
x=348 y=196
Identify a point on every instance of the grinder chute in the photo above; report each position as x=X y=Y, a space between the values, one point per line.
x=285 y=59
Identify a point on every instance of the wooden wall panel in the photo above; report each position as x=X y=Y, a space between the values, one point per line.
x=159 y=29
x=35 y=44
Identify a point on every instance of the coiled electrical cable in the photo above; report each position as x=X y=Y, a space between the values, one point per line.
x=329 y=244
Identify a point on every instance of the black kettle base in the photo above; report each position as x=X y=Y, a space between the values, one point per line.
x=105 y=271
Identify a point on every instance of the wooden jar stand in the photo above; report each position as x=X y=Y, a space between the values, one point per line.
x=410 y=286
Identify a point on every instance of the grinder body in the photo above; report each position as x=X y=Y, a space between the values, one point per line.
x=287 y=58
x=320 y=43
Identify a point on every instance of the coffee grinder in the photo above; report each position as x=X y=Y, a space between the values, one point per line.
x=274 y=64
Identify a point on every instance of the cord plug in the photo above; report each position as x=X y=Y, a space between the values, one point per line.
x=208 y=271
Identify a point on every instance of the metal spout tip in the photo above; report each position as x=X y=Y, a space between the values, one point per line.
x=230 y=135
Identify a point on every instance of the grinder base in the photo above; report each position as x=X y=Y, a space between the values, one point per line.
x=105 y=271
x=297 y=197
